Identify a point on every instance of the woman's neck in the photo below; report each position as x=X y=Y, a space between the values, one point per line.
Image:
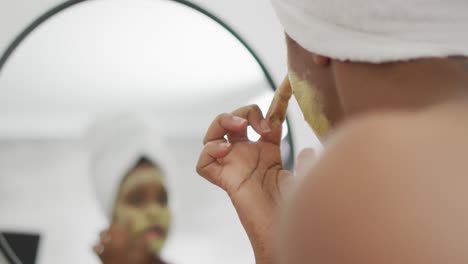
x=402 y=86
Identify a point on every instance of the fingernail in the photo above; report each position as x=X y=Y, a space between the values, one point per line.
x=225 y=145
x=239 y=120
x=265 y=127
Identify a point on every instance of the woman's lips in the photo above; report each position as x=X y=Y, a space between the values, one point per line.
x=154 y=231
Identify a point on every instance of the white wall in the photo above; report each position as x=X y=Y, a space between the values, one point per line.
x=44 y=185
x=254 y=20
x=44 y=188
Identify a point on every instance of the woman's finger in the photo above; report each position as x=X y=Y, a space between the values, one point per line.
x=118 y=236
x=222 y=125
x=278 y=108
x=253 y=114
x=235 y=124
x=208 y=164
x=277 y=112
x=141 y=244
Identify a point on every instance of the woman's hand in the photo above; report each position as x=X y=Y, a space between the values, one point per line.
x=116 y=246
x=250 y=172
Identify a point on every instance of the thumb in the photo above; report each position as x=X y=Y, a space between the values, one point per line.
x=140 y=250
x=141 y=244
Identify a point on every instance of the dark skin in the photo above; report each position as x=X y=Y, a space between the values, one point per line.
x=247 y=171
x=116 y=243
x=397 y=184
x=397 y=196
x=411 y=92
x=145 y=194
x=119 y=248
x=311 y=68
x=350 y=89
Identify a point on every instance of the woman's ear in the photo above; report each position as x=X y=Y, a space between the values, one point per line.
x=321 y=60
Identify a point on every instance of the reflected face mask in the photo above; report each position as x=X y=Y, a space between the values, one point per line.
x=308 y=98
x=151 y=220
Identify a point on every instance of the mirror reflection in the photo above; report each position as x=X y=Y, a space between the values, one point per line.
x=106 y=104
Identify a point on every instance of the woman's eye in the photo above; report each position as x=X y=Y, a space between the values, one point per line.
x=136 y=199
x=162 y=197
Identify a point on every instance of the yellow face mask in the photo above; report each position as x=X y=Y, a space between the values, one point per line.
x=153 y=219
x=309 y=101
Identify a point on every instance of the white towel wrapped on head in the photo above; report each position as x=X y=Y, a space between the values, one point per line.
x=377 y=31
x=116 y=144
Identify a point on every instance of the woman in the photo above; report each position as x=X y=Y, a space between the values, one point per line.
x=130 y=185
x=385 y=86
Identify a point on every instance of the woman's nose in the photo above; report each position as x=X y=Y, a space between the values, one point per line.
x=154 y=210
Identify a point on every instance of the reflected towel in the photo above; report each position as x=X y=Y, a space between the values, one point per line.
x=116 y=144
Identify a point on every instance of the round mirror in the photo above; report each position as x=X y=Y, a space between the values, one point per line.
x=171 y=63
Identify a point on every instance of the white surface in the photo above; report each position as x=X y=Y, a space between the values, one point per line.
x=50 y=90
x=84 y=62
x=45 y=188
x=254 y=20
x=44 y=184
x=98 y=53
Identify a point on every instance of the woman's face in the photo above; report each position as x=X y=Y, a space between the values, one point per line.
x=314 y=88
x=142 y=205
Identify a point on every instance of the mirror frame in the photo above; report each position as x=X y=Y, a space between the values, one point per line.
x=4 y=247
x=69 y=3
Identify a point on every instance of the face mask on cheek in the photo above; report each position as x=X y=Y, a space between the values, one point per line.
x=309 y=101
x=144 y=220
x=162 y=216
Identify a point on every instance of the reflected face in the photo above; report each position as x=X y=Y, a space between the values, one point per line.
x=314 y=89
x=142 y=205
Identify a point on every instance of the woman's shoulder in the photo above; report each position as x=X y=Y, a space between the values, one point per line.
x=394 y=179
x=401 y=145
x=434 y=126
